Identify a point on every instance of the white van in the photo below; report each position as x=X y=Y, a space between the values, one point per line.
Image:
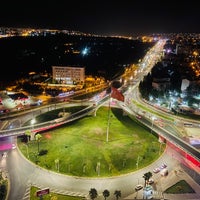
x=164 y=172
x=148 y=192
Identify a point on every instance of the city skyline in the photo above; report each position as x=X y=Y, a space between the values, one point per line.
x=104 y=18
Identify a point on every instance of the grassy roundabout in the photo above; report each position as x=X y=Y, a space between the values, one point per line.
x=81 y=148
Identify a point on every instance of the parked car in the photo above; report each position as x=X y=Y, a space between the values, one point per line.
x=164 y=172
x=138 y=187
x=164 y=165
x=156 y=170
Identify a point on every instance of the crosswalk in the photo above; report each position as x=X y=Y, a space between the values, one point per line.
x=56 y=191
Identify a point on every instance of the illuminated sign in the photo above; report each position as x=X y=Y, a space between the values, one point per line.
x=42 y=192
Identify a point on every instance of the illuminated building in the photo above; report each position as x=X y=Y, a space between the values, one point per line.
x=68 y=75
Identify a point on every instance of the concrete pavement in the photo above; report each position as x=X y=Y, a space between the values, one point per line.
x=164 y=183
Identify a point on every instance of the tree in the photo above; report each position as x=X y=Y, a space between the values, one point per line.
x=106 y=194
x=147 y=176
x=93 y=193
x=117 y=194
x=28 y=135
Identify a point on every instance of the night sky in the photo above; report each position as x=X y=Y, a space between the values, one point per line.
x=119 y=17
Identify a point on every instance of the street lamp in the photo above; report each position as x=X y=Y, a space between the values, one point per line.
x=138 y=159
x=160 y=149
x=57 y=164
x=152 y=119
x=33 y=122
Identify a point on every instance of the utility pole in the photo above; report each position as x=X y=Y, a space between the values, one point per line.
x=108 y=125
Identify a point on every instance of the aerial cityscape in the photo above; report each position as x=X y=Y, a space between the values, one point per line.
x=164 y=70
x=100 y=101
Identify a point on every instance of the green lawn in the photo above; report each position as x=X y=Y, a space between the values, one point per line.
x=81 y=147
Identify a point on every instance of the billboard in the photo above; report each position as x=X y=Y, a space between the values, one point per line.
x=42 y=192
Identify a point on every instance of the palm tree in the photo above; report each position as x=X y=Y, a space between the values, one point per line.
x=147 y=176
x=93 y=193
x=117 y=193
x=106 y=194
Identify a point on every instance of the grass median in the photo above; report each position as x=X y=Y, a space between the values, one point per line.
x=88 y=148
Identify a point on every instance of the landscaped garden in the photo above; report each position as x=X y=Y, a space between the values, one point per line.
x=180 y=187
x=88 y=148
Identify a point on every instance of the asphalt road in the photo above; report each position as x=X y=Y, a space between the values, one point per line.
x=23 y=174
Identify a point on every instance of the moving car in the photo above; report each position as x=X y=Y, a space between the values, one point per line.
x=139 y=116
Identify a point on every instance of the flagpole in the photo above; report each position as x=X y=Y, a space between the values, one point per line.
x=108 y=125
x=116 y=95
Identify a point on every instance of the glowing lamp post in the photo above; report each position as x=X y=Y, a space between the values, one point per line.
x=33 y=122
x=152 y=119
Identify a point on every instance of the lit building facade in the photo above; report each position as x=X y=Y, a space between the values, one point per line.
x=68 y=75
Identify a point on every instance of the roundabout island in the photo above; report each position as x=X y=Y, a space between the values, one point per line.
x=88 y=148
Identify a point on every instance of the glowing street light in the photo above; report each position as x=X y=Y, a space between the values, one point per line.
x=152 y=119
x=33 y=121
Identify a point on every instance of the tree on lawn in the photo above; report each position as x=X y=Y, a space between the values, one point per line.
x=28 y=135
x=117 y=194
x=93 y=193
x=106 y=194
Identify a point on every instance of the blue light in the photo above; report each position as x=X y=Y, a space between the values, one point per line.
x=85 y=51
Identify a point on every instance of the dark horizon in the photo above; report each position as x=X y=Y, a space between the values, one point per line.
x=105 y=17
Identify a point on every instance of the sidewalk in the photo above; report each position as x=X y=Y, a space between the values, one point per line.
x=164 y=183
x=177 y=175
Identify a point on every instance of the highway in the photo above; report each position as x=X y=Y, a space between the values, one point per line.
x=165 y=134
x=131 y=92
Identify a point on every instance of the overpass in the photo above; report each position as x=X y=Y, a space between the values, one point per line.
x=186 y=150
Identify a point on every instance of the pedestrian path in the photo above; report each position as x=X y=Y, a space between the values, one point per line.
x=164 y=183
x=181 y=196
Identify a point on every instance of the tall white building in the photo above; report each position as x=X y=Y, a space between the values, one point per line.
x=68 y=75
x=184 y=85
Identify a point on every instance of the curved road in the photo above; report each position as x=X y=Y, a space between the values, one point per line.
x=23 y=174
